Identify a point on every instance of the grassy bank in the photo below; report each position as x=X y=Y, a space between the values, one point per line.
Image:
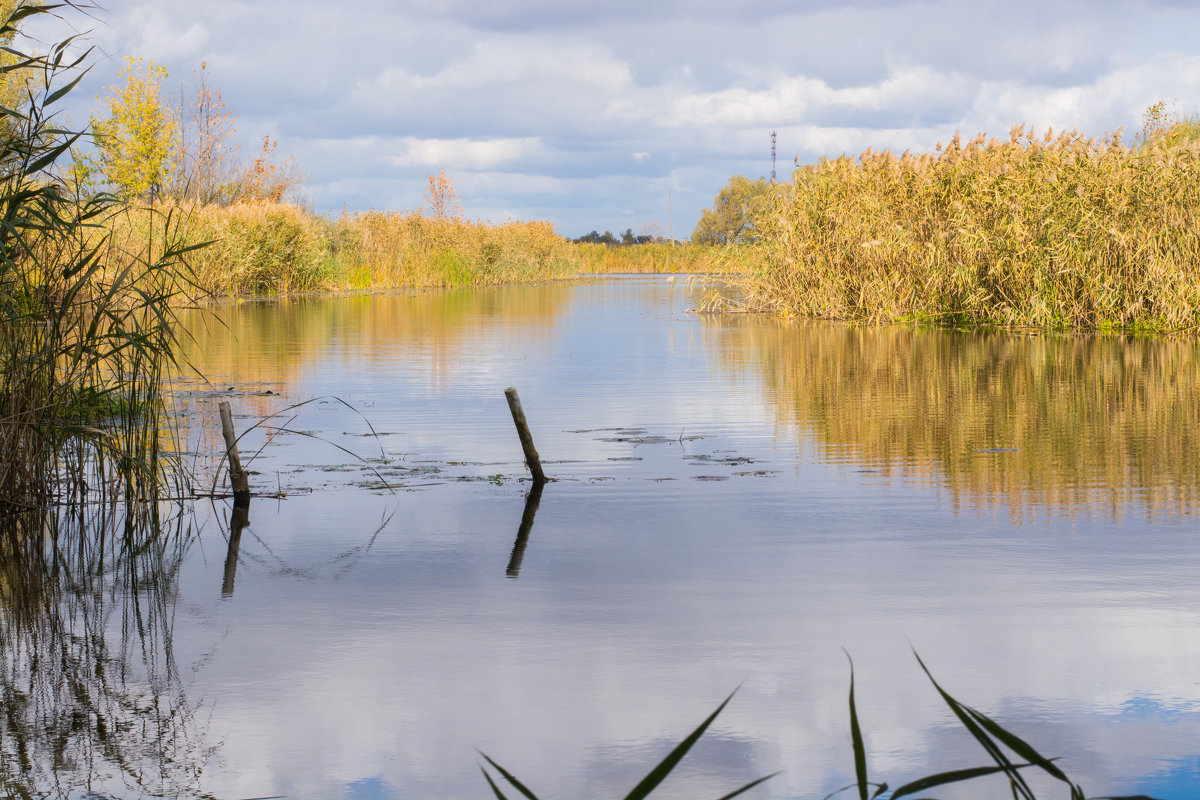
x=268 y=248
x=1045 y=231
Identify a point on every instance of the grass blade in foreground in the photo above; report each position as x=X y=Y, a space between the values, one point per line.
x=651 y=781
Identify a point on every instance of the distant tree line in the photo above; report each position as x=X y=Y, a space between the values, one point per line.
x=627 y=237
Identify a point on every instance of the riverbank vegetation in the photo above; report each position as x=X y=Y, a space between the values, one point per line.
x=260 y=248
x=85 y=320
x=653 y=257
x=1048 y=231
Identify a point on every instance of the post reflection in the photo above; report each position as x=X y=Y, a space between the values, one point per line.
x=239 y=520
x=532 y=500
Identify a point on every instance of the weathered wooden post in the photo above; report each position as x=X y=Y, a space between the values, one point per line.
x=237 y=476
x=531 y=455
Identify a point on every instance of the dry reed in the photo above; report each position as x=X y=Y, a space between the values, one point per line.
x=1058 y=231
x=260 y=248
x=656 y=257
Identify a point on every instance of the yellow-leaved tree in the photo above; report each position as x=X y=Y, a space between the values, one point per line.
x=137 y=145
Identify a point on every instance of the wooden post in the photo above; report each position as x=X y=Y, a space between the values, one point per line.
x=237 y=476
x=531 y=455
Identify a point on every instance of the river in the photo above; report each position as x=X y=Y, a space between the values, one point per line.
x=736 y=503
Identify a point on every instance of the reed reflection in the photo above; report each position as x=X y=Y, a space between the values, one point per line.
x=91 y=694
x=1027 y=422
x=277 y=342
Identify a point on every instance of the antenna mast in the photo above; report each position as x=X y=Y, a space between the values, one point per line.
x=772 y=156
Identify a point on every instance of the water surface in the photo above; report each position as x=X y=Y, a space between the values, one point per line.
x=737 y=503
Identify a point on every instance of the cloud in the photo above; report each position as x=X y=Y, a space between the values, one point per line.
x=159 y=36
x=466 y=153
x=510 y=60
x=576 y=92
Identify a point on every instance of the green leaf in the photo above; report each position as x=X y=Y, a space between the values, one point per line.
x=860 y=751
x=943 y=778
x=520 y=787
x=748 y=786
x=492 y=783
x=59 y=93
x=965 y=716
x=665 y=766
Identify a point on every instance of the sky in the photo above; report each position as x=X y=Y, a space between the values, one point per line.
x=631 y=114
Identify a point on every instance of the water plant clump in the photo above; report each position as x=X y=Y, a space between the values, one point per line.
x=1053 y=231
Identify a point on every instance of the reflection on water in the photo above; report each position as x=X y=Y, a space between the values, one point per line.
x=92 y=694
x=532 y=500
x=279 y=342
x=1061 y=422
x=732 y=503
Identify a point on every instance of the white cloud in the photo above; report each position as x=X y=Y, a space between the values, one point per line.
x=911 y=91
x=466 y=153
x=159 y=37
x=510 y=60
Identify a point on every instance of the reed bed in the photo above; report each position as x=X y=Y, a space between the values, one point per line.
x=655 y=257
x=1056 y=231
x=384 y=249
x=85 y=321
x=261 y=248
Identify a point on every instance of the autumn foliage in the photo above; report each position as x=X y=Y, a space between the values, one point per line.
x=137 y=143
x=441 y=197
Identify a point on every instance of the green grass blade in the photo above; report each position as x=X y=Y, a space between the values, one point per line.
x=665 y=766
x=860 y=750
x=954 y=776
x=495 y=789
x=836 y=792
x=1018 y=745
x=1019 y=786
x=520 y=787
x=748 y=786
x=1125 y=797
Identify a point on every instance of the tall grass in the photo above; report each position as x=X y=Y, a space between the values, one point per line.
x=260 y=248
x=390 y=249
x=656 y=257
x=85 y=321
x=1057 y=231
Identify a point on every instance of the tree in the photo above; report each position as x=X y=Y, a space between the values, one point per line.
x=596 y=237
x=442 y=199
x=731 y=218
x=265 y=179
x=137 y=144
x=207 y=155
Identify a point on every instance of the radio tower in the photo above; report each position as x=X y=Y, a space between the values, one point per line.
x=772 y=156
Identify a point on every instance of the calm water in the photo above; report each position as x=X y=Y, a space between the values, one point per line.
x=736 y=502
